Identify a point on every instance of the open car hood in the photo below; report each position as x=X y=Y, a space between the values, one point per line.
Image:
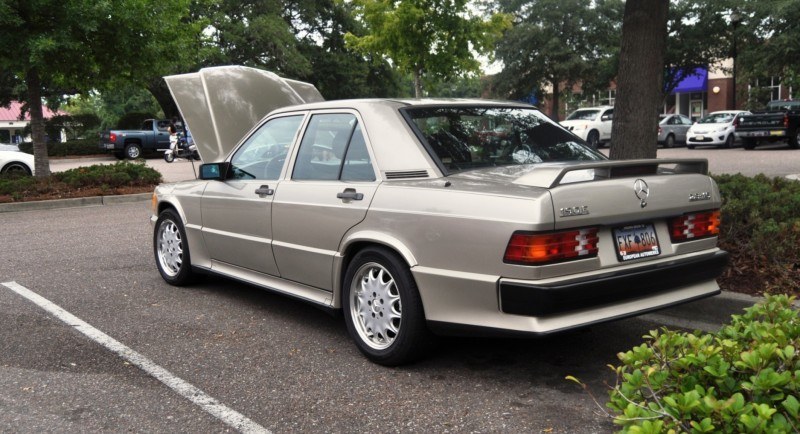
x=221 y=104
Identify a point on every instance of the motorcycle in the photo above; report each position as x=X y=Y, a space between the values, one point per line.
x=182 y=149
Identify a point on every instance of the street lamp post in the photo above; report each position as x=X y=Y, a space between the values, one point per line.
x=735 y=19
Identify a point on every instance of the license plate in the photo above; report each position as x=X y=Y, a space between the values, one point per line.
x=777 y=133
x=700 y=137
x=636 y=242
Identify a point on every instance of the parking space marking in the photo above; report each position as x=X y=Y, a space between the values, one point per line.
x=210 y=405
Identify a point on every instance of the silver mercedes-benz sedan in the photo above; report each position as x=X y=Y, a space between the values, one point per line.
x=422 y=217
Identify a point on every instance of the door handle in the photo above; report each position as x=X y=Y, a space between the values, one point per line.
x=350 y=194
x=264 y=190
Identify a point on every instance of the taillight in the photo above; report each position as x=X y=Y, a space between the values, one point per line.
x=545 y=248
x=694 y=226
x=659 y=130
x=112 y=138
x=786 y=120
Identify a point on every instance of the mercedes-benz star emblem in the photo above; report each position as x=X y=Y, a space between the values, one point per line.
x=642 y=191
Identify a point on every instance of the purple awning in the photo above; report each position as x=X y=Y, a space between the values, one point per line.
x=697 y=82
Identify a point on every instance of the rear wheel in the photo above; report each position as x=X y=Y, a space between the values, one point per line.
x=133 y=151
x=171 y=249
x=794 y=139
x=383 y=309
x=670 y=142
x=749 y=144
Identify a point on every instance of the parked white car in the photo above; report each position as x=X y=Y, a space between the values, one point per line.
x=16 y=162
x=716 y=129
x=592 y=124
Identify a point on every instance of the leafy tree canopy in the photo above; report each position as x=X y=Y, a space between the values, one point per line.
x=434 y=39
x=50 y=48
x=556 y=43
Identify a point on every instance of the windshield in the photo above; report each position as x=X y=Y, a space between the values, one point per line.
x=717 y=118
x=464 y=138
x=583 y=115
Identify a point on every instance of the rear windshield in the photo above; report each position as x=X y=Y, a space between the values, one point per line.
x=463 y=138
x=775 y=106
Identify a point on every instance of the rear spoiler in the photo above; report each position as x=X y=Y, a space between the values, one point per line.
x=555 y=174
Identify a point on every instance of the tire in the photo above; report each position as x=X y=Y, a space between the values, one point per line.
x=690 y=146
x=171 y=249
x=133 y=151
x=749 y=144
x=195 y=156
x=670 y=142
x=728 y=142
x=16 y=169
x=169 y=157
x=593 y=139
x=794 y=139
x=383 y=309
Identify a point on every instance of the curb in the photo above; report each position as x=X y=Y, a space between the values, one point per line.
x=75 y=202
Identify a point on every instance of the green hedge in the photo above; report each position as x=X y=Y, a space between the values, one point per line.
x=745 y=378
x=761 y=229
x=76 y=147
x=103 y=178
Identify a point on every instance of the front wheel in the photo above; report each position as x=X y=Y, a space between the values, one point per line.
x=383 y=309
x=593 y=139
x=171 y=249
x=169 y=157
x=670 y=142
x=749 y=144
x=728 y=142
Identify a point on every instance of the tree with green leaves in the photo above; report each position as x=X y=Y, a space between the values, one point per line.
x=430 y=39
x=52 y=48
x=767 y=37
x=555 y=44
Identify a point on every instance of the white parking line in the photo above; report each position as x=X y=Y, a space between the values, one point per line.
x=210 y=405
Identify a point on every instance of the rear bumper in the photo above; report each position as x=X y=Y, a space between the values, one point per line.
x=475 y=304
x=536 y=300
x=777 y=133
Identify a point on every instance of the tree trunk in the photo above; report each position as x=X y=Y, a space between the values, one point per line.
x=556 y=101
x=40 y=159
x=417 y=83
x=639 y=79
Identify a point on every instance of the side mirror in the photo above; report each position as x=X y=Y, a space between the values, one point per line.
x=214 y=171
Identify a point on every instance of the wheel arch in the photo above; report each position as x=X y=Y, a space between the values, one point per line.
x=356 y=242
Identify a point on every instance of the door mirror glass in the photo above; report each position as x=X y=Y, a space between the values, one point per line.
x=214 y=171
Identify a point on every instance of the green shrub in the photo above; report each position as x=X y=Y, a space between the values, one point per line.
x=761 y=229
x=75 y=147
x=120 y=174
x=116 y=178
x=745 y=378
